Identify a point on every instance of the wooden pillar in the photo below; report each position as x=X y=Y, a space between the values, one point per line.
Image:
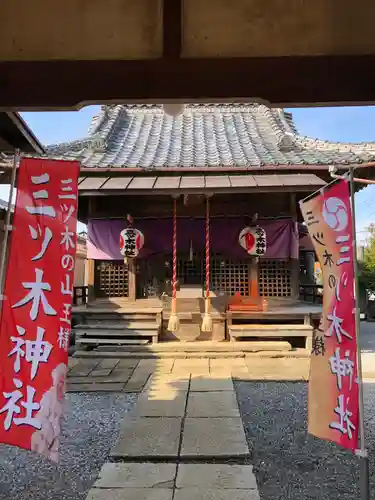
x=254 y=278
x=90 y=277
x=294 y=263
x=132 y=284
x=90 y=269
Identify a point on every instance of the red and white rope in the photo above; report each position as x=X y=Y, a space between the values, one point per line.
x=174 y=278
x=207 y=249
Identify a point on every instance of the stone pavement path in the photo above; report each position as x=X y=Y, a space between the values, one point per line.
x=131 y=375
x=184 y=441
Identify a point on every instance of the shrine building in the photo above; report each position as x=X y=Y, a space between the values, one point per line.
x=193 y=223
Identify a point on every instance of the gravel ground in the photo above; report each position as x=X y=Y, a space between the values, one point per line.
x=367 y=337
x=290 y=464
x=89 y=430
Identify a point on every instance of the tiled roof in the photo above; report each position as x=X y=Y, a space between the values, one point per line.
x=204 y=135
x=4 y=205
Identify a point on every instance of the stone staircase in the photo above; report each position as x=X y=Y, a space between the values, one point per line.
x=190 y=311
x=116 y=324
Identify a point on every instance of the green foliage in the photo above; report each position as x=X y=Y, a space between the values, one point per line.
x=367 y=267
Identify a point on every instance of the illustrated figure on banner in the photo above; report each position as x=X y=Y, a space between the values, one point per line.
x=46 y=440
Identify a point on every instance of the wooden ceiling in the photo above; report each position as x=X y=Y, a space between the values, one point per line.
x=61 y=55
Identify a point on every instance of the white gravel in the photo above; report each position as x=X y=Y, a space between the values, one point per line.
x=90 y=427
x=288 y=463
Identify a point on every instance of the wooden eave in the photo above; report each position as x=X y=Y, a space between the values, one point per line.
x=311 y=53
x=152 y=185
x=322 y=171
x=17 y=135
x=305 y=81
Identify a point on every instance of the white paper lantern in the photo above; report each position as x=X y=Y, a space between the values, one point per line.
x=131 y=241
x=253 y=240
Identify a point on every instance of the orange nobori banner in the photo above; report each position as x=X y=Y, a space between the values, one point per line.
x=333 y=405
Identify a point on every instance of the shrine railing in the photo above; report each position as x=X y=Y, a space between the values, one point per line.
x=311 y=293
x=80 y=295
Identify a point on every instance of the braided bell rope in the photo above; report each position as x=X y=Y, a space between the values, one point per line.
x=174 y=278
x=207 y=249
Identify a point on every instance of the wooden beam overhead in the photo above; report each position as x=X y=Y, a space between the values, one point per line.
x=172 y=28
x=288 y=81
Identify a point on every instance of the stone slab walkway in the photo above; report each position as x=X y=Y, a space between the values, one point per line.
x=181 y=419
x=132 y=375
x=171 y=420
x=155 y=481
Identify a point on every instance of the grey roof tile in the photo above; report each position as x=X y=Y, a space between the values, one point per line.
x=204 y=135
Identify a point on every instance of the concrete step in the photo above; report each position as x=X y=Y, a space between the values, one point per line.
x=141 y=352
x=190 y=292
x=210 y=347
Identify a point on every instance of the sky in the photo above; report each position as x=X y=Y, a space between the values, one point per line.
x=345 y=124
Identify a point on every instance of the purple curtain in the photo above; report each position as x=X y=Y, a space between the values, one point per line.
x=104 y=237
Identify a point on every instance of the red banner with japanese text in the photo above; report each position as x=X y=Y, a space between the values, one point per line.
x=36 y=307
x=333 y=405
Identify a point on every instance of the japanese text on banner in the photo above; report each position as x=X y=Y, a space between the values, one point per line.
x=36 y=313
x=333 y=412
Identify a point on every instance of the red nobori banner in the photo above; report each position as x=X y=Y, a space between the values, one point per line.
x=36 y=310
x=333 y=387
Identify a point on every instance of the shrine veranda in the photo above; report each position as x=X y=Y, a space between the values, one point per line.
x=146 y=281
x=231 y=166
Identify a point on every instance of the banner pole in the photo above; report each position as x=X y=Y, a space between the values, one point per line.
x=4 y=245
x=320 y=190
x=362 y=451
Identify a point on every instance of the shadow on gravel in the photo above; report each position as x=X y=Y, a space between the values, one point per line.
x=288 y=463
x=90 y=426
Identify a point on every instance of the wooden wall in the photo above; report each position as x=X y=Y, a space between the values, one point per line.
x=266 y=205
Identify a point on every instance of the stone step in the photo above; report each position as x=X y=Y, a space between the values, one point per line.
x=190 y=292
x=129 y=352
x=209 y=348
x=160 y=481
